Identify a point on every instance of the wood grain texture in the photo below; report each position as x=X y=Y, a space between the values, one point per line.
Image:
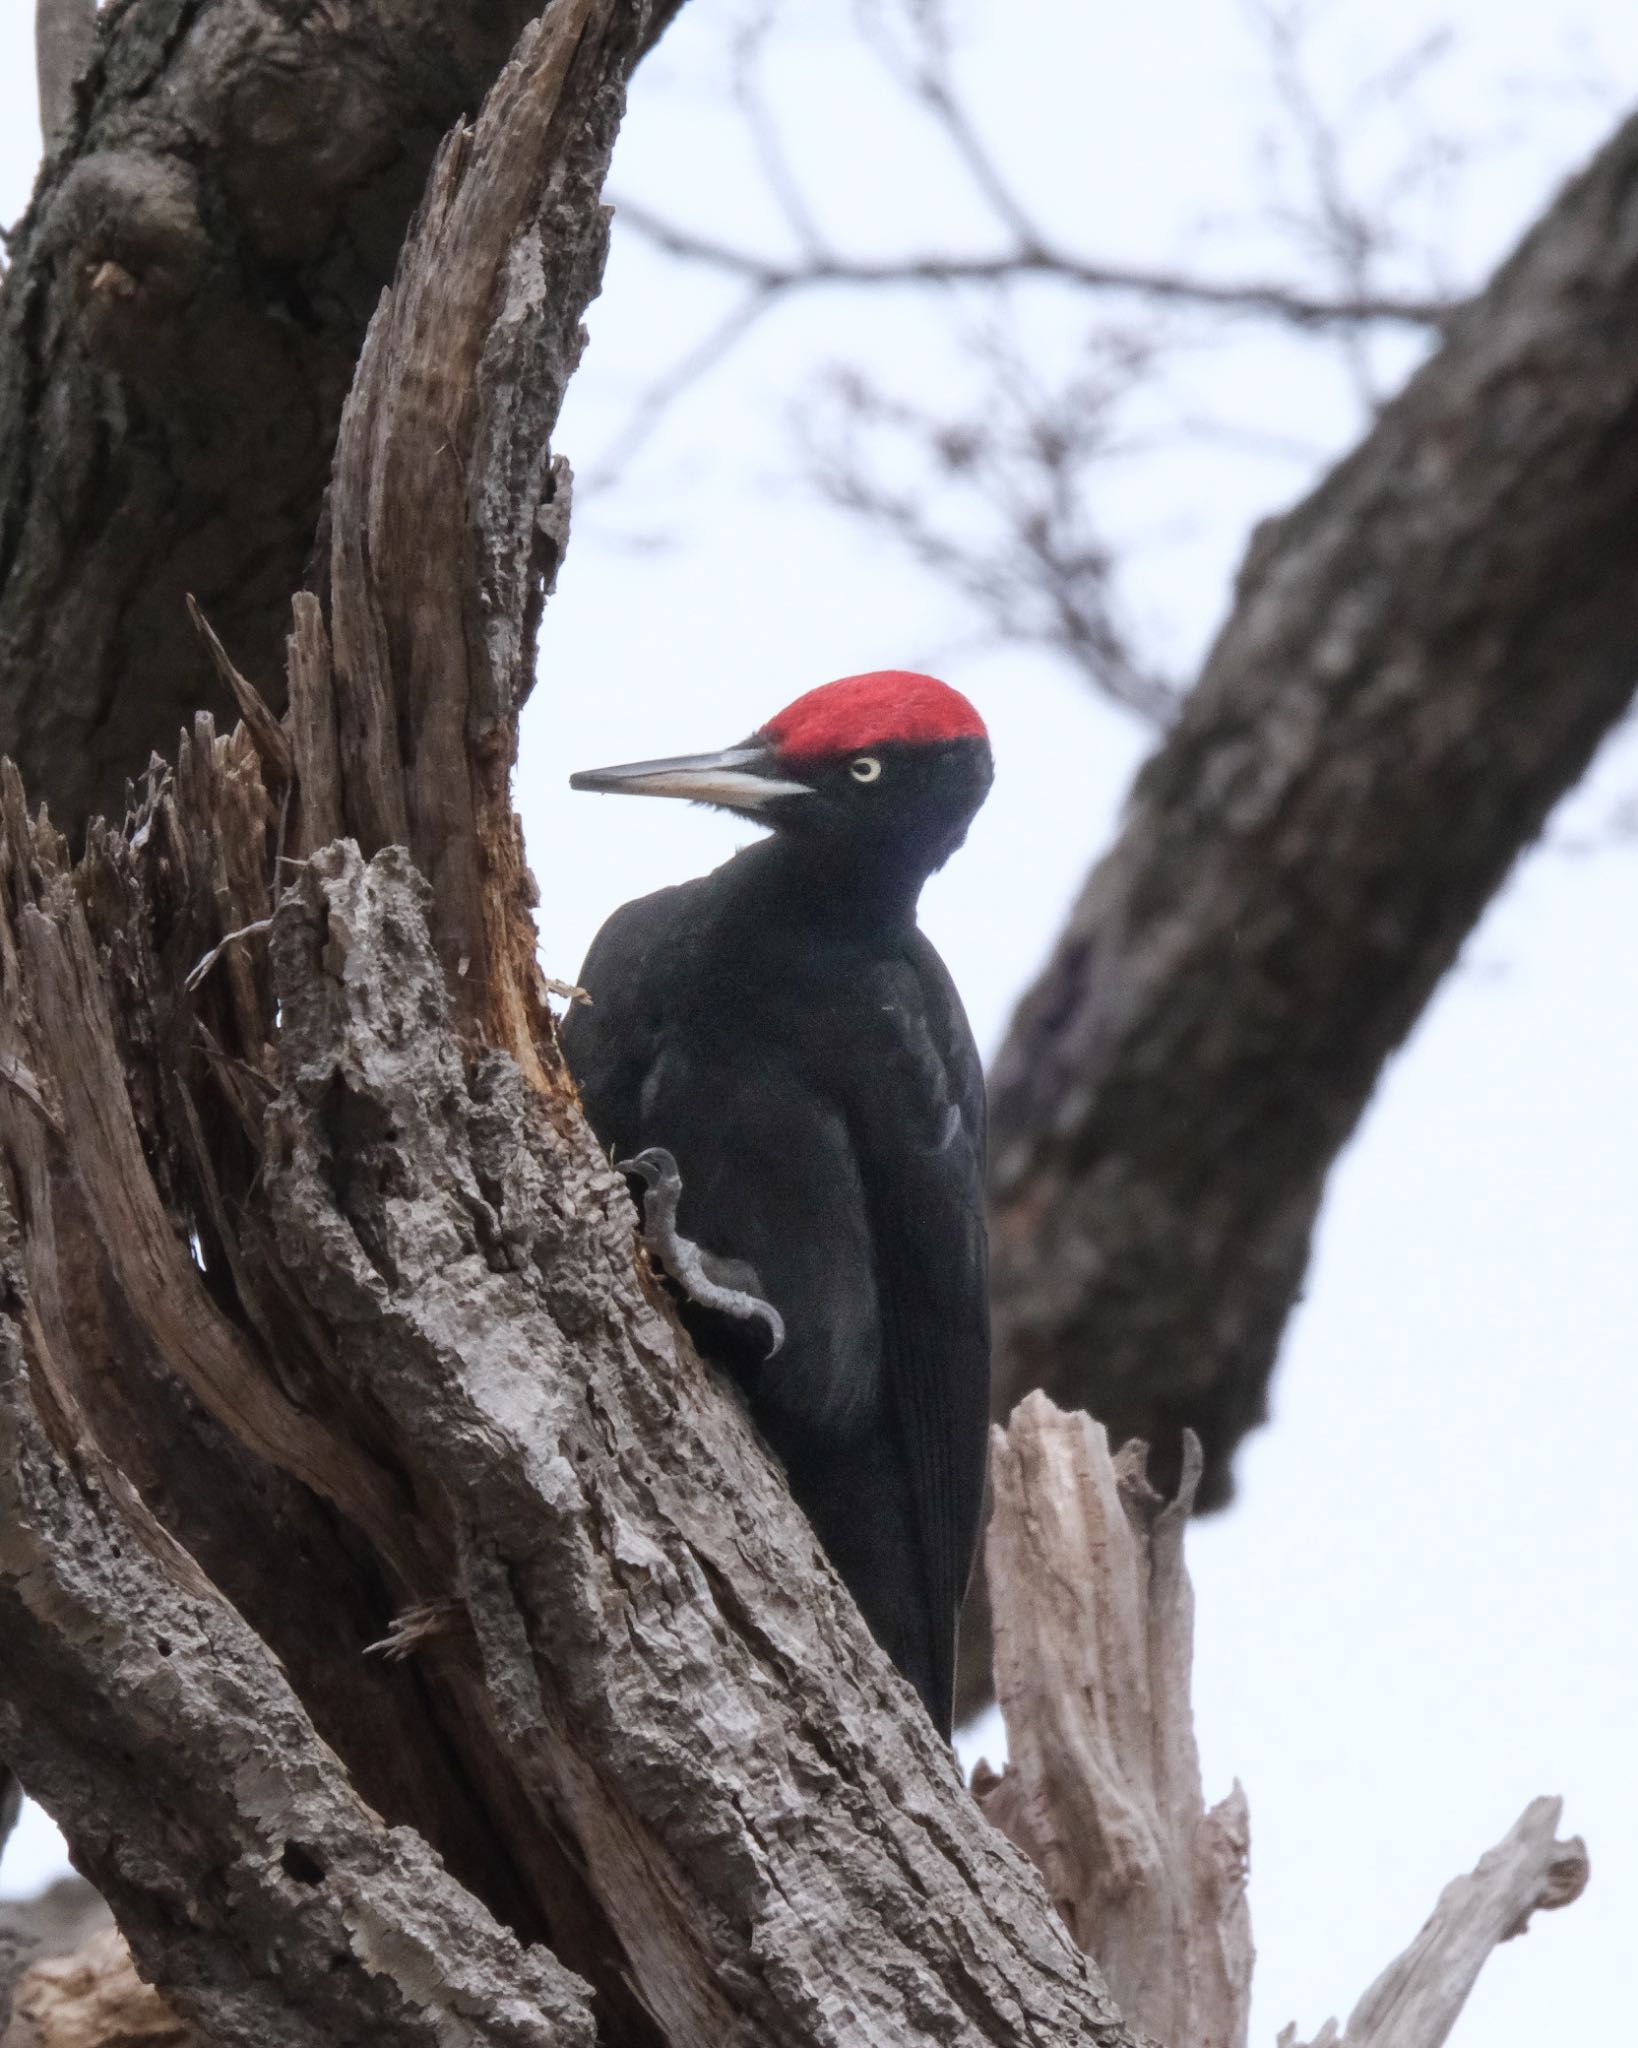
x=1094 y=1650
x=1094 y=1647
x=254 y=1886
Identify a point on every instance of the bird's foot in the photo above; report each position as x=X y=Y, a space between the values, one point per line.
x=417 y=1625
x=705 y=1279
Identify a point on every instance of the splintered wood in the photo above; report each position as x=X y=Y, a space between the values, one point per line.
x=1094 y=1619
x=93 y=1998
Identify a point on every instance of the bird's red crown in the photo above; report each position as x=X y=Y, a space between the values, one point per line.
x=872 y=711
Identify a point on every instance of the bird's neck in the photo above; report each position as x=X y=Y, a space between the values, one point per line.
x=850 y=888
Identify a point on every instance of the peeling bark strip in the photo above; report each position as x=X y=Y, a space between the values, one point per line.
x=448 y=513
x=179 y=322
x=1419 y=662
x=1094 y=1647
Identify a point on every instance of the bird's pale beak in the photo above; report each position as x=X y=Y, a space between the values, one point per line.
x=744 y=778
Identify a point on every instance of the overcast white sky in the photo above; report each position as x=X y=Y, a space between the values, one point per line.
x=1419 y=1613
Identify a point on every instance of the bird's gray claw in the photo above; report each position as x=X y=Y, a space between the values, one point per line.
x=655 y=1167
x=704 y=1278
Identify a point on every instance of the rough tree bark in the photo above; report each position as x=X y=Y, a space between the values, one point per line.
x=293 y=1177
x=179 y=323
x=1102 y=1789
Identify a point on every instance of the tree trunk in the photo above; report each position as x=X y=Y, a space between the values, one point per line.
x=295 y=1176
x=179 y=322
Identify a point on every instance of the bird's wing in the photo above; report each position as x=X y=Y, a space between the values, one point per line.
x=924 y=1162
x=610 y=1041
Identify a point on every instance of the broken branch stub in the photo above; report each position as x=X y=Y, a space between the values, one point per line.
x=1093 y=1640
x=1416 y=2000
x=1094 y=1621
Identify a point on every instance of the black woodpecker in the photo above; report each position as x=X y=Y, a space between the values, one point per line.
x=779 y=1038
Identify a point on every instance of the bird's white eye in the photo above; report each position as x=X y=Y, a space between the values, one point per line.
x=865 y=769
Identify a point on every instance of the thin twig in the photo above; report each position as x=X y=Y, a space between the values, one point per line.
x=664 y=392
x=1264 y=297
x=202 y=967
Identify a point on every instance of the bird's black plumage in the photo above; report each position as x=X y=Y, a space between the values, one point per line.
x=783 y=1029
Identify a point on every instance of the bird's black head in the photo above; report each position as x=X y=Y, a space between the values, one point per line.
x=880 y=771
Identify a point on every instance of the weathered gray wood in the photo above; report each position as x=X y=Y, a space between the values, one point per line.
x=251 y=1881
x=1416 y=2000
x=1419 y=661
x=449 y=512
x=1094 y=1646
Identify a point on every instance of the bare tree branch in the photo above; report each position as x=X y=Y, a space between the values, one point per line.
x=828 y=271
x=1037 y=569
x=999 y=503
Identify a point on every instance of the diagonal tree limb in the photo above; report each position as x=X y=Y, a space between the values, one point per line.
x=1420 y=661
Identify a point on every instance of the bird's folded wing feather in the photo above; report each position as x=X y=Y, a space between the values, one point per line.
x=925 y=1164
